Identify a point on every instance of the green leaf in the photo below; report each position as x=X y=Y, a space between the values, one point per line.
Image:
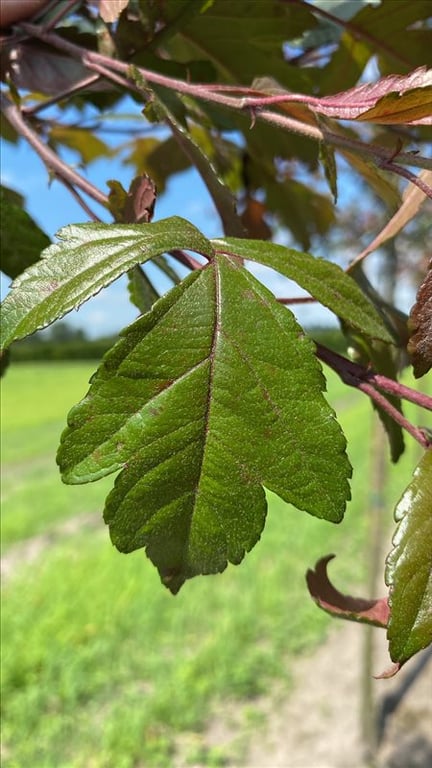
x=213 y=394
x=328 y=161
x=245 y=39
x=21 y=238
x=325 y=281
x=87 y=258
x=81 y=140
x=409 y=568
x=414 y=106
x=142 y=292
x=165 y=267
x=397 y=38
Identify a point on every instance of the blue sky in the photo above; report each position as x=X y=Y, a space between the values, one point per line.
x=52 y=206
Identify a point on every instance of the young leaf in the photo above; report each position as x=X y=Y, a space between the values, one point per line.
x=87 y=258
x=391 y=100
x=210 y=396
x=327 y=282
x=409 y=568
x=142 y=292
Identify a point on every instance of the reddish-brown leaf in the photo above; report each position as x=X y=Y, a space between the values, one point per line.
x=392 y=99
x=420 y=322
x=412 y=199
x=332 y=601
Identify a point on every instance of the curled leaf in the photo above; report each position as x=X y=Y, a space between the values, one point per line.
x=420 y=323
x=332 y=601
x=140 y=201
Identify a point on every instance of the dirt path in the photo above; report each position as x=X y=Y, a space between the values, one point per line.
x=316 y=724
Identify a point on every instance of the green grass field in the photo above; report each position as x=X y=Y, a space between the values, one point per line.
x=102 y=667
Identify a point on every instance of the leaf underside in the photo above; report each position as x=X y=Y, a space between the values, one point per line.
x=212 y=395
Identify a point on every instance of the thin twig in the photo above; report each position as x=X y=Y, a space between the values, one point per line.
x=400 y=390
x=79 y=199
x=393 y=412
x=343 y=142
x=186 y=259
x=364 y=379
x=115 y=78
x=90 y=59
x=48 y=157
x=390 y=166
x=297 y=300
x=79 y=86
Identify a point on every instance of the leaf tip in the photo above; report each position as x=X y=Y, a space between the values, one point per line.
x=389 y=672
x=173 y=579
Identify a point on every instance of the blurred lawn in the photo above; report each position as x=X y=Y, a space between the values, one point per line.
x=101 y=665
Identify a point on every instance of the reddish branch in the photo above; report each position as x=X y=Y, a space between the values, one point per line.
x=53 y=163
x=366 y=380
x=94 y=61
x=186 y=259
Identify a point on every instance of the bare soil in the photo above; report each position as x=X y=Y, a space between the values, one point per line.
x=317 y=723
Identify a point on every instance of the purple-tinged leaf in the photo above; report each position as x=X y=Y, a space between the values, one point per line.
x=412 y=199
x=392 y=99
x=420 y=322
x=332 y=601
